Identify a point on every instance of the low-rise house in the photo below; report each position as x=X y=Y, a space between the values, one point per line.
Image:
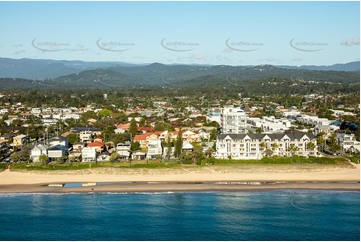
x=59 y=140
x=8 y=137
x=142 y=139
x=104 y=156
x=89 y=154
x=154 y=149
x=37 y=151
x=348 y=142
x=78 y=146
x=19 y=140
x=99 y=146
x=138 y=155
x=86 y=136
x=57 y=151
x=256 y=146
x=186 y=146
x=326 y=129
x=123 y=150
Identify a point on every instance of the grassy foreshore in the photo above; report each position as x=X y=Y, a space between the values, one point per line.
x=174 y=163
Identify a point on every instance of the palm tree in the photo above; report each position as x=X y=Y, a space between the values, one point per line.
x=274 y=146
x=292 y=148
x=310 y=146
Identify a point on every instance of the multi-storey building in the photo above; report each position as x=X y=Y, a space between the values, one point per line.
x=234 y=121
x=256 y=146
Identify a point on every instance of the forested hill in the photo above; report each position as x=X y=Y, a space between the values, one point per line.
x=252 y=79
x=42 y=68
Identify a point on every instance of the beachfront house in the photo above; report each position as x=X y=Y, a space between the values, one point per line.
x=89 y=154
x=37 y=151
x=154 y=148
x=56 y=152
x=123 y=150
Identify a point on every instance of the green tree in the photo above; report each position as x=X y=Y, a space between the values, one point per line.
x=162 y=126
x=87 y=115
x=43 y=159
x=72 y=138
x=134 y=146
x=310 y=146
x=213 y=135
x=178 y=144
x=133 y=128
x=114 y=157
x=104 y=113
x=292 y=148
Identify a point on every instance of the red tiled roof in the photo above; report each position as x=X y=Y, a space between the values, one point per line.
x=140 y=128
x=123 y=126
x=139 y=137
x=156 y=133
x=96 y=144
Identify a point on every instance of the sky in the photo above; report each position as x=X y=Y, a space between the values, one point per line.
x=215 y=33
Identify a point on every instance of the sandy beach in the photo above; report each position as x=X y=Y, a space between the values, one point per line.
x=231 y=177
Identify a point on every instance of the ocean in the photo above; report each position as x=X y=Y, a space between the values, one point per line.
x=257 y=215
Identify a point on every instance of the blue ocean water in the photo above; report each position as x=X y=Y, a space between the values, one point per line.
x=261 y=215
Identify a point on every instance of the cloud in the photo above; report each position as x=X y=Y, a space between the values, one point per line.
x=270 y=60
x=19 y=52
x=350 y=42
x=227 y=50
x=296 y=59
x=18 y=45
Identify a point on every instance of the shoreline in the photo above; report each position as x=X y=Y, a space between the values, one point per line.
x=220 y=186
x=212 y=178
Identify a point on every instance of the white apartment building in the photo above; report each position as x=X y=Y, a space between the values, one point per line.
x=256 y=146
x=234 y=121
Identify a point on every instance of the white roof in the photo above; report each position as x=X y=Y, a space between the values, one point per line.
x=187 y=146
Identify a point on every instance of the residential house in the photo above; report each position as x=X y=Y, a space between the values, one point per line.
x=142 y=139
x=37 y=151
x=59 y=140
x=99 y=146
x=86 y=136
x=78 y=146
x=104 y=156
x=326 y=129
x=138 y=155
x=19 y=140
x=123 y=150
x=89 y=154
x=98 y=139
x=154 y=148
x=348 y=142
x=57 y=151
x=7 y=137
x=256 y=146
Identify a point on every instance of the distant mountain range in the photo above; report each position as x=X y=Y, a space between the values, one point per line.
x=42 y=69
x=351 y=66
x=37 y=69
